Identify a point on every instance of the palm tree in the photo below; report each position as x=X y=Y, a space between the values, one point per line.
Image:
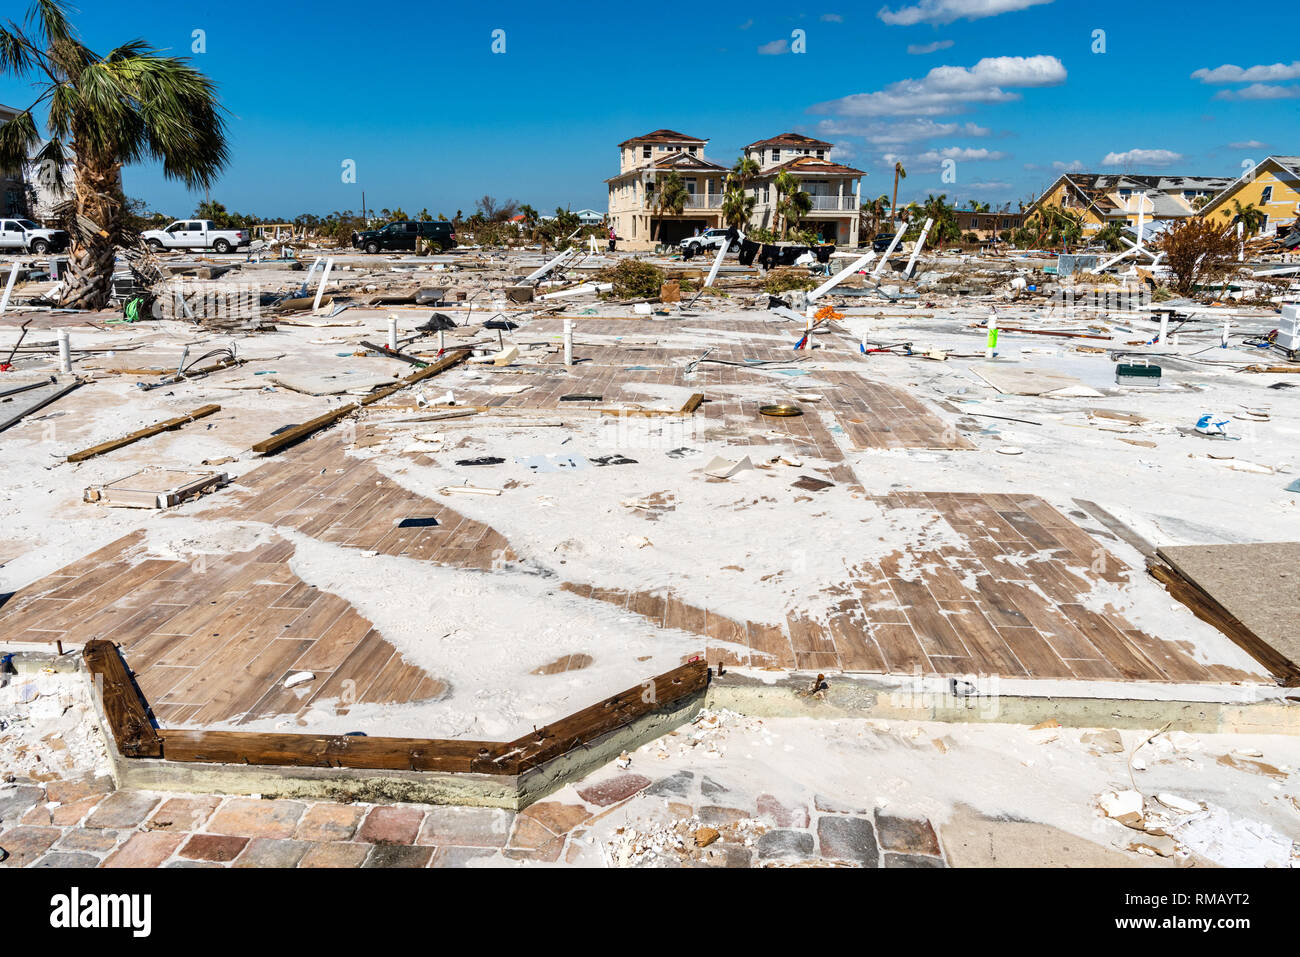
x=1111 y=235
x=745 y=170
x=872 y=214
x=1250 y=214
x=945 y=225
x=899 y=173
x=105 y=112
x=792 y=202
x=737 y=204
x=670 y=197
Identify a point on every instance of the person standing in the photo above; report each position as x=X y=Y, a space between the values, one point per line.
x=612 y=238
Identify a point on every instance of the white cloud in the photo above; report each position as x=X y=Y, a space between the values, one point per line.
x=964 y=153
x=1260 y=91
x=921 y=49
x=1142 y=158
x=991 y=185
x=950 y=89
x=1072 y=165
x=832 y=18
x=775 y=48
x=844 y=152
x=1248 y=145
x=1228 y=73
x=747 y=24
x=893 y=132
x=946 y=11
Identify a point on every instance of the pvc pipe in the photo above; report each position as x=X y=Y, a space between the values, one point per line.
x=392 y=333
x=902 y=228
x=1164 y=327
x=9 y=288
x=840 y=276
x=325 y=278
x=65 y=351
x=916 y=251
x=992 y=341
x=717 y=263
x=568 y=341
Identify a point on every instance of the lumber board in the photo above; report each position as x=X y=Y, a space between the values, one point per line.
x=124 y=707
x=693 y=403
x=1205 y=607
x=322 y=750
x=577 y=729
x=146 y=432
x=274 y=443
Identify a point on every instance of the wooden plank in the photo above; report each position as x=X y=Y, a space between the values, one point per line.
x=274 y=443
x=341 y=751
x=124 y=709
x=138 y=434
x=577 y=729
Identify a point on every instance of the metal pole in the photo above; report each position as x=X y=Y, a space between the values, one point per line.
x=916 y=250
x=9 y=288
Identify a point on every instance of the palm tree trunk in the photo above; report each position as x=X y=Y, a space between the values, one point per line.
x=99 y=202
x=893 y=203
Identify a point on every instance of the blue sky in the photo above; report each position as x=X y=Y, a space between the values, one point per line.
x=413 y=93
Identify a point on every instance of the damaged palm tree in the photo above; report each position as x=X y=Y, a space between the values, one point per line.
x=128 y=106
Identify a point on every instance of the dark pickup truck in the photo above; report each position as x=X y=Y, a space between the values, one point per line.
x=403 y=235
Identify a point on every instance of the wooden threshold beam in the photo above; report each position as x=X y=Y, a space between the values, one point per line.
x=146 y=432
x=125 y=709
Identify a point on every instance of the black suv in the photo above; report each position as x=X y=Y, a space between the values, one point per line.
x=882 y=241
x=403 y=235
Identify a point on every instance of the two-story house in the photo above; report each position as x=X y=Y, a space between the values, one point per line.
x=835 y=189
x=1271 y=186
x=1102 y=198
x=639 y=222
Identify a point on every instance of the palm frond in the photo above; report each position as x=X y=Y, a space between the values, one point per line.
x=18 y=137
x=15 y=56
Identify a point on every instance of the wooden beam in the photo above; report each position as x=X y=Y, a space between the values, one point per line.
x=415 y=754
x=144 y=433
x=341 y=751
x=692 y=403
x=623 y=708
x=125 y=709
x=1205 y=607
x=275 y=443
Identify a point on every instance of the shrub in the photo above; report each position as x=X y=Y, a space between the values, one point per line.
x=633 y=279
x=1198 y=253
x=785 y=278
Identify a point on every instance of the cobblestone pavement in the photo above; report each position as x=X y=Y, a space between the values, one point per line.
x=682 y=820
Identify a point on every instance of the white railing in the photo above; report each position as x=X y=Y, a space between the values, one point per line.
x=700 y=201
x=834 y=202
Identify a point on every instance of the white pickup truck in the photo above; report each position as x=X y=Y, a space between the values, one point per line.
x=26 y=235
x=195 y=234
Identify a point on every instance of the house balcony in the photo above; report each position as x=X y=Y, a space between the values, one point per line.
x=838 y=204
x=701 y=201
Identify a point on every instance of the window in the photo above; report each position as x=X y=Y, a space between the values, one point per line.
x=821 y=154
x=645 y=151
x=776 y=156
x=1266 y=196
x=691 y=150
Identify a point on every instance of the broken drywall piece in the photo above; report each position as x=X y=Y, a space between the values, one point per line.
x=726 y=468
x=299 y=678
x=1123 y=806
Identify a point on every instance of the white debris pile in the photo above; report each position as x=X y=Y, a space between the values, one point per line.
x=707 y=735
x=1175 y=826
x=48 y=728
x=677 y=842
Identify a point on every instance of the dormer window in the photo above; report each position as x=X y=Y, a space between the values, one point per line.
x=776 y=156
x=691 y=150
x=645 y=151
x=821 y=154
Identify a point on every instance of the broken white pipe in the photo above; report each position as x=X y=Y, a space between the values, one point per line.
x=65 y=351
x=1241 y=241
x=568 y=341
x=840 y=276
x=902 y=228
x=392 y=333
x=9 y=288
x=992 y=340
x=717 y=263
x=325 y=277
x=1164 y=327
x=1223 y=339
x=306 y=283
x=916 y=250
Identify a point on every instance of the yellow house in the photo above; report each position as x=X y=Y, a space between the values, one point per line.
x=1102 y=198
x=1272 y=186
x=642 y=161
